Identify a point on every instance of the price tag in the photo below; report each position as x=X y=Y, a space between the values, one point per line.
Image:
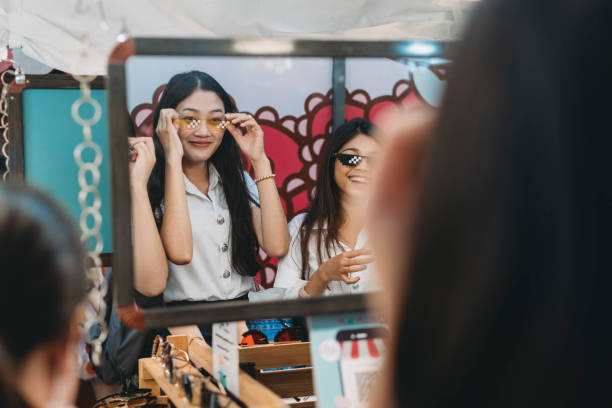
x=225 y=355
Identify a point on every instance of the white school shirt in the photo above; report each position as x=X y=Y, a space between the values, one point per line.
x=209 y=275
x=289 y=272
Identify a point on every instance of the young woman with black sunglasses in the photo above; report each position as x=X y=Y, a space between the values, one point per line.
x=327 y=253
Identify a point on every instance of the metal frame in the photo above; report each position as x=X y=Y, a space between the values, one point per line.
x=338 y=91
x=118 y=115
x=15 y=101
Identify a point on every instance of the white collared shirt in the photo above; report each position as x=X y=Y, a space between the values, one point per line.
x=289 y=273
x=209 y=275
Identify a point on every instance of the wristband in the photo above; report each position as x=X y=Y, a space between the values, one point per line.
x=257 y=180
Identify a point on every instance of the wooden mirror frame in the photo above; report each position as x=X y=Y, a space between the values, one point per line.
x=119 y=117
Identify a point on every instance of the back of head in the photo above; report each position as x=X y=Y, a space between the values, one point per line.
x=505 y=304
x=43 y=273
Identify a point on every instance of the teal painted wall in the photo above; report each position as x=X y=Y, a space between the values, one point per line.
x=50 y=136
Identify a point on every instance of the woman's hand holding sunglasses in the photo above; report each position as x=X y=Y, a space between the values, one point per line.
x=248 y=135
x=168 y=134
x=340 y=267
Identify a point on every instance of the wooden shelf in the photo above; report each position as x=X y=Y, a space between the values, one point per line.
x=252 y=393
x=307 y=404
x=293 y=382
x=151 y=375
x=288 y=382
x=150 y=370
x=271 y=355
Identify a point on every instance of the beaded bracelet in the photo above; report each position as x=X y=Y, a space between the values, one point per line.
x=264 y=178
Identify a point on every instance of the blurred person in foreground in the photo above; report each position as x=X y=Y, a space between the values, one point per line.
x=43 y=286
x=505 y=272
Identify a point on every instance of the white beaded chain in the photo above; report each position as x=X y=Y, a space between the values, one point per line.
x=90 y=202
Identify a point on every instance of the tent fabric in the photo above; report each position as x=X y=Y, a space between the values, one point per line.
x=77 y=36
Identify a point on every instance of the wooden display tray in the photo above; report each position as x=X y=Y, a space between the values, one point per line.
x=252 y=393
x=276 y=354
x=151 y=375
x=291 y=382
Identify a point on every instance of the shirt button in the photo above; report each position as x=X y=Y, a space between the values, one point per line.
x=226 y=274
x=224 y=247
x=220 y=220
x=356 y=286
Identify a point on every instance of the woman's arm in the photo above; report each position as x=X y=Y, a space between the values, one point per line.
x=176 y=225
x=150 y=265
x=269 y=220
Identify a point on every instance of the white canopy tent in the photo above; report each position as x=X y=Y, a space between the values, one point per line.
x=77 y=36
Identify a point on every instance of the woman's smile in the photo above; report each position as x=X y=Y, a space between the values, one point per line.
x=354 y=180
x=200 y=143
x=360 y=179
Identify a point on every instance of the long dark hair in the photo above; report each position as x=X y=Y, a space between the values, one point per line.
x=43 y=280
x=325 y=207
x=508 y=295
x=226 y=159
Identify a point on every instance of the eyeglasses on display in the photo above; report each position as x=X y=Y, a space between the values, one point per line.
x=197 y=392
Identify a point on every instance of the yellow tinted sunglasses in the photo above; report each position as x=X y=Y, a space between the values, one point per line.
x=190 y=123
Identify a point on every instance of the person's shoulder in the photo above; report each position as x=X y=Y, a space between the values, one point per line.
x=296 y=223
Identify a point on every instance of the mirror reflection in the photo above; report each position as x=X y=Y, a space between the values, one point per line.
x=241 y=189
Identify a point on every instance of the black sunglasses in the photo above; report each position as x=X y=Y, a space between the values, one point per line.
x=352 y=160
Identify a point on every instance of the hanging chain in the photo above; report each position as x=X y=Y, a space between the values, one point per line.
x=4 y=123
x=19 y=77
x=90 y=202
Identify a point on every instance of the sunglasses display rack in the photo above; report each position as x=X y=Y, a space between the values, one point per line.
x=154 y=376
x=138 y=398
x=284 y=368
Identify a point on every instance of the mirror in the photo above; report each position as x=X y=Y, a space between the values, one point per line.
x=299 y=93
